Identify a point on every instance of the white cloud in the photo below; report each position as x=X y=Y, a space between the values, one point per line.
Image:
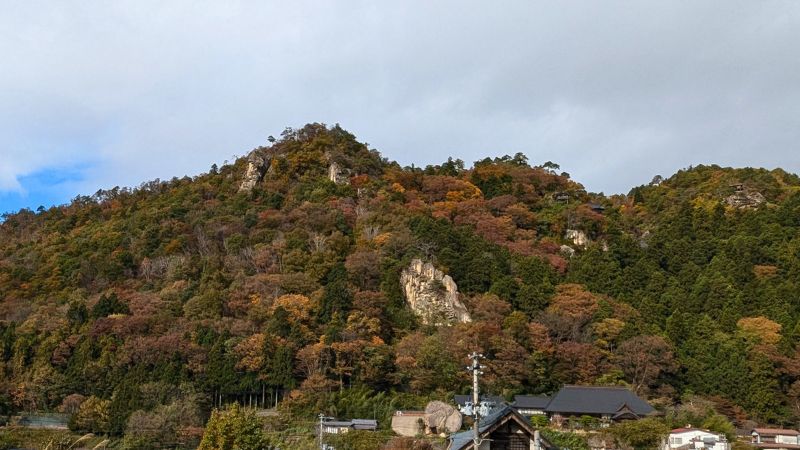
x=613 y=91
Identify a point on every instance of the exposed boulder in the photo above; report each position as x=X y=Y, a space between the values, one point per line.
x=442 y=418
x=578 y=238
x=257 y=164
x=432 y=295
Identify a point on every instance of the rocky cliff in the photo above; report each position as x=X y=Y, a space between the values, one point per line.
x=432 y=295
x=745 y=198
x=338 y=174
x=257 y=165
x=578 y=238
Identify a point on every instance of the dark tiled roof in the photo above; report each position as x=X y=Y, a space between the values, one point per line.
x=597 y=400
x=463 y=439
x=357 y=424
x=531 y=401
x=337 y=423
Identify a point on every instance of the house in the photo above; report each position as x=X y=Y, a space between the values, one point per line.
x=608 y=404
x=775 y=438
x=596 y=207
x=531 y=405
x=502 y=429
x=344 y=426
x=694 y=438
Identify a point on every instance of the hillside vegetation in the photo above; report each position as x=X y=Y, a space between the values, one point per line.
x=139 y=310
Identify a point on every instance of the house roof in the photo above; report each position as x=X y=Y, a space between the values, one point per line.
x=337 y=423
x=531 y=401
x=364 y=424
x=598 y=400
x=358 y=424
x=776 y=431
x=685 y=429
x=463 y=439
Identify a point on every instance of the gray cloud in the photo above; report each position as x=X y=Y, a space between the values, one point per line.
x=613 y=91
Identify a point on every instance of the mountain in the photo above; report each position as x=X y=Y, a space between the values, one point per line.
x=297 y=273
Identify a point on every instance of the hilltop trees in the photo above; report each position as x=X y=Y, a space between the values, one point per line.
x=291 y=290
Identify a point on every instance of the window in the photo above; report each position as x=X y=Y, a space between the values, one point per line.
x=676 y=441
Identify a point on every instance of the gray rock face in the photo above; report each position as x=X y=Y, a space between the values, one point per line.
x=432 y=295
x=745 y=199
x=257 y=165
x=338 y=174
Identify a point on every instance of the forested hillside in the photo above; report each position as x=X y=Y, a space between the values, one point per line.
x=142 y=309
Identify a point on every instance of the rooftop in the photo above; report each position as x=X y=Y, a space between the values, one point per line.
x=597 y=400
x=776 y=431
x=531 y=401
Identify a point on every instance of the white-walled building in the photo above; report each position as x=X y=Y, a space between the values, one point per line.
x=776 y=438
x=695 y=438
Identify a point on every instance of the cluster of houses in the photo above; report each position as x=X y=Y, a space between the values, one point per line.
x=690 y=438
x=508 y=426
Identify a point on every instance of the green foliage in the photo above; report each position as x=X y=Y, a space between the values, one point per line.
x=92 y=417
x=540 y=421
x=234 y=428
x=565 y=439
x=106 y=306
x=124 y=296
x=8 y=441
x=641 y=434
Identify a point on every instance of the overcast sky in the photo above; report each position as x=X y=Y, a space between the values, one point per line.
x=99 y=94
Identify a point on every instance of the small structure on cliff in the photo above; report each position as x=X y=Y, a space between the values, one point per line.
x=744 y=198
x=432 y=295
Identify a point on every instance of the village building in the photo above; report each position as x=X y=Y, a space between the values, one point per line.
x=689 y=438
x=531 y=405
x=607 y=404
x=775 y=438
x=502 y=429
x=344 y=426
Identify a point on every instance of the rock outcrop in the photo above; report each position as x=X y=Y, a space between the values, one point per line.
x=257 y=165
x=432 y=295
x=577 y=237
x=745 y=198
x=338 y=174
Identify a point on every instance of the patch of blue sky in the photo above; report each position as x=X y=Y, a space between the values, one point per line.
x=48 y=187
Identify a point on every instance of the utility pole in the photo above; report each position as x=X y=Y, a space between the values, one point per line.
x=476 y=371
x=322 y=418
